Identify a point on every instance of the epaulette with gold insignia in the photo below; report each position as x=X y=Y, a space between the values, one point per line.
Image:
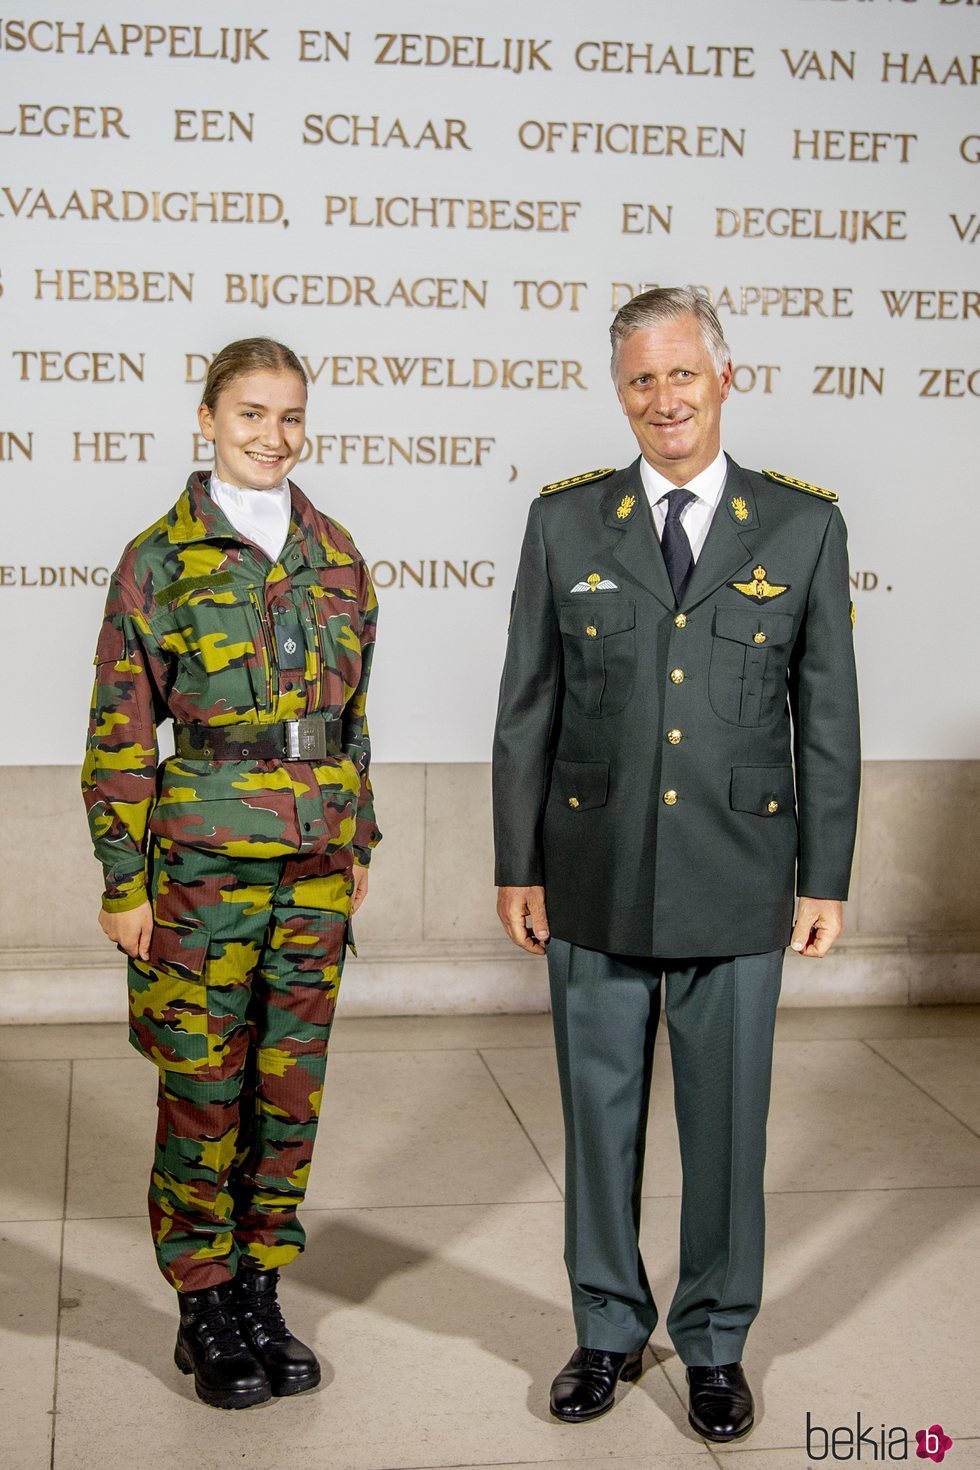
x=589 y=478
x=782 y=479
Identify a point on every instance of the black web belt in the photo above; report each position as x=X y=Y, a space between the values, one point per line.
x=310 y=739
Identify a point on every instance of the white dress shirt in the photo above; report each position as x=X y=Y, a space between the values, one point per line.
x=261 y=516
x=696 y=516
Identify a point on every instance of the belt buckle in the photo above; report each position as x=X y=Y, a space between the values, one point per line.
x=306 y=739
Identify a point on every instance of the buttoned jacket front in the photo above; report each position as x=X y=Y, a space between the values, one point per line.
x=662 y=770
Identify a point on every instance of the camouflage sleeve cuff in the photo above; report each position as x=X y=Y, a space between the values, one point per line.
x=128 y=893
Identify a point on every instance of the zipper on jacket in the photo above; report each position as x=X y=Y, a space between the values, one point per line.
x=265 y=648
x=317 y=695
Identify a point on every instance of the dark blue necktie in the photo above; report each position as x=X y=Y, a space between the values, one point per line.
x=674 y=543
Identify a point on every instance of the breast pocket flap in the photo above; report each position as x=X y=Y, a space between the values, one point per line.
x=595 y=615
x=756 y=629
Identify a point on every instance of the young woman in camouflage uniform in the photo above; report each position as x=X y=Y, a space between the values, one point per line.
x=232 y=868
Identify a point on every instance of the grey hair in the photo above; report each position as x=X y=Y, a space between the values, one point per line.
x=666 y=304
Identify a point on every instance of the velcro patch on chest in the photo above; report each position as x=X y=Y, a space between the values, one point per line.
x=289 y=646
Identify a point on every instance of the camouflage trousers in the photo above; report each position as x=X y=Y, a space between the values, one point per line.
x=235 y=1007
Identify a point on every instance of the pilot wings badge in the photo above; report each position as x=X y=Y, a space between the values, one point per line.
x=759 y=588
x=595 y=583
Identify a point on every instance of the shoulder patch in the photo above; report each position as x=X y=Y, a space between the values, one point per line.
x=591 y=477
x=782 y=479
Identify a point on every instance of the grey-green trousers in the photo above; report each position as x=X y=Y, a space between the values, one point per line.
x=720 y=1017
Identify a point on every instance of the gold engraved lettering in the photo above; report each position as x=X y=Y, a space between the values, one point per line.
x=82 y=284
x=211 y=125
x=79 y=367
x=647 y=140
x=128 y=38
x=517 y=54
x=908 y=69
x=451 y=451
x=351 y=130
x=47 y=577
x=950 y=382
x=550 y=295
x=16 y=446
x=644 y=59
x=323 y=45
x=441 y=293
x=62 y=120
x=785 y=222
x=833 y=145
x=644 y=219
x=109 y=446
x=543 y=216
x=809 y=65
x=433 y=575
x=133 y=206
x=763 y=301
x=849 y=382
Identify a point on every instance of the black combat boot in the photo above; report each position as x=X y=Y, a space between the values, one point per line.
x=291 y=1366
x=211 y=1346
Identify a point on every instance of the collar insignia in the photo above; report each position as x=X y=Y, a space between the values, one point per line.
x=759 y=588
x=595 y=583
x=625 y=508
x=740 y=509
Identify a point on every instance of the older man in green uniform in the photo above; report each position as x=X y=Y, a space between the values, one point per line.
x=677 y=738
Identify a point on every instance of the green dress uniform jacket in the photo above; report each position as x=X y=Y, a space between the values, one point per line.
x=644 y=752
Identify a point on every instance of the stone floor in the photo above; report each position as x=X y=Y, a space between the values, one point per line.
x=433 y=1285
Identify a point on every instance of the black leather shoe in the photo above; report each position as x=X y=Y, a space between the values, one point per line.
x=721 y=1405
x=210 y=1345
x=586 y=1386
x=291 y=1366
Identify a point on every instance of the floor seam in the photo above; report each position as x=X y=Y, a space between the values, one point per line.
x=481 y=1204
x=918 y=1086
x=520 y=1124
x=61 y=1268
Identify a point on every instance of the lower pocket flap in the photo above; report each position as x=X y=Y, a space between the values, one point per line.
x=580 y=784
x=767 y=791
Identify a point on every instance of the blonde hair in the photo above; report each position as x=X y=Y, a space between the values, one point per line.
x=249 y=355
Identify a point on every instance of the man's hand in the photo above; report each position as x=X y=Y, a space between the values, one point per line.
x=819 y=921
x=359 y=893
x=130 y=930
x=514 y=905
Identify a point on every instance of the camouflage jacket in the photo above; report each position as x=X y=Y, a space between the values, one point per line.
x=195 y=622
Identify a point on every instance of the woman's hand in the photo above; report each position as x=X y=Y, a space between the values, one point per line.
x=360 y=888
x=131 y=929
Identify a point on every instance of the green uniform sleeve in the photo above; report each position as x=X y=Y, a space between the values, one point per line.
x=120 y=766
x=529 y=694
x=824 y=703
x=356 y=738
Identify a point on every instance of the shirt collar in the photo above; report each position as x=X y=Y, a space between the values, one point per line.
x=707 y=486
x=237 y=491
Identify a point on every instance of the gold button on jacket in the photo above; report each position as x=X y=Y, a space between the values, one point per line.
x=673 y=728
